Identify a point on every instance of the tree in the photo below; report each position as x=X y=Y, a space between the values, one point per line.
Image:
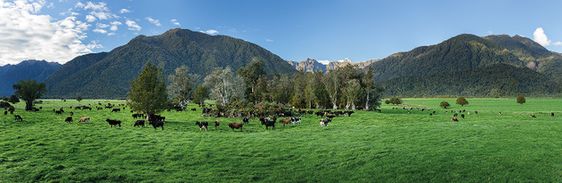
x=14 y=99
x=521 y=99
x=282 y=89
x=444 y=104
x=369 y=82
x=251 y=73
x=181 y=85
x=148 y=91
x=224 y=86
x=332 y=83
x=200 y=94
x=29 y=90
x=351 y=92
x=310 y=90
x=79 y=98
x=298 y=99
x=462 y=101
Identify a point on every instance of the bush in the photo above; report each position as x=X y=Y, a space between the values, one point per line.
x=462 y=101
x=395 y=101
x=445 y=104
x=521 y=99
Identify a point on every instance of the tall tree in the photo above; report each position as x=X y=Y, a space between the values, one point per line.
x=29 y=91
x=200 y=94
x=310 y=90
x=225 y=86
x=299 y=84
x=148 y=91
x=282 y=89
x=181 y=85
x=332 y=83
x=351 y=91
x=251 y=73
x=369 y=85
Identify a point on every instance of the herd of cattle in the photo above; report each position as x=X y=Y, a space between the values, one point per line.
x=267 y=119
x=455 y=113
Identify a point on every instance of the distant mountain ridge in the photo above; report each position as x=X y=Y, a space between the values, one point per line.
x=108 y=75
x=313 y=65
x=468 y=61
x=37 y=70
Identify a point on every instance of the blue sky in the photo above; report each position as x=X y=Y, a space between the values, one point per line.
x=298 y=29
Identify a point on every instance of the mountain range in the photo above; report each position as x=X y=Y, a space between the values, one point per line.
x=37 y=70
x=468 y=65
x=471 y=65
x=109 y=75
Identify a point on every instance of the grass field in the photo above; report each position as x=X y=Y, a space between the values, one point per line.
x=393 y=146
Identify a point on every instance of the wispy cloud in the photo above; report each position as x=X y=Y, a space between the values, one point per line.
x=123 y=11
x=132 y=25
x=153 y=21
x=175 y=22
x=211 y=32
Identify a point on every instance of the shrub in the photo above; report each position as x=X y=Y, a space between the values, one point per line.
x=521 y=99
x=462 y=101
x=445 y=104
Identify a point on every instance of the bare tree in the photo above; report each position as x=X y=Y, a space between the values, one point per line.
x=225 y=86
x=332 y=84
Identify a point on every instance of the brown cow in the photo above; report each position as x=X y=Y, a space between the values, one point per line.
x=236 y=125
x=84 y=119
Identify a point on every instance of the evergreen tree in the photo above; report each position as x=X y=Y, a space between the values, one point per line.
x=148 y=91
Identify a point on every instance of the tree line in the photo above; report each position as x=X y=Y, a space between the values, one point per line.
x=250 y=87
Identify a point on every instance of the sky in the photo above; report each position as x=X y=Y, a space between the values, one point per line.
x=59 y=30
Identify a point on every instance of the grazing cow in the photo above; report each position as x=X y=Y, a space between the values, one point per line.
x=138 y=115
x=533 y=116
x=475 y=112
x=236 y=126
x=431 y=114
x=269 y=122
x=5 y=112
x=84 y=119
x=156 y=121
x=462 y=116
x=454 y=119
x=139 y=123
x=217 y=124
x=68 y=119
x=71 y=113
x=58 y=111
x=18 y=118
x=349 y=113
x=193 y=109
x=552 y=114
x=116 y=110
x=285 y=121
x=295 y=120
x=324 y=122
x=455 y=115
x=113 y=122
x=202 y=125
x=246 y=120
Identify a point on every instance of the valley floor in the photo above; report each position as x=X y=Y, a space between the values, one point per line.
x=396 y=145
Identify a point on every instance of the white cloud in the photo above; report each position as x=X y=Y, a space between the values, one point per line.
x=27 y=34
x=132 y=25
x=211 y=32
x=557 y=43
x=540 y=37
x=115 y=25
x=154 y=21
x=123 y=11
x=175 y=22
x=99 y=30
x=102 y=25
x=269 y=40
x=90 y=18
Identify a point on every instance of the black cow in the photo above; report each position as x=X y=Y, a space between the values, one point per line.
x=552 y=114
x=139 y=123
x=5 y=112
x=156 y=121
x=217 y=124
x=324 y=122
x=68 y=119
x=349 y=113
x=269 y=122
x=138 y=115
x=246 y=120
x=18 y=118
x=462 y=116
x=113 y=122
x=116 y=110
x=202 y=125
